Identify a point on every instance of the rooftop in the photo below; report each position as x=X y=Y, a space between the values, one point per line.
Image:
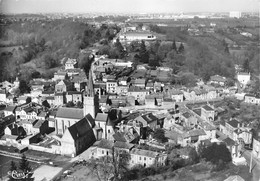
x=101 y=117
x=207 y=108
x=73 y=113
x=147 y=153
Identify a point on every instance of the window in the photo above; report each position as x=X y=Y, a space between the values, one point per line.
x=102 y=152
x=140 y=158
x=108 y=131
x=144 y=158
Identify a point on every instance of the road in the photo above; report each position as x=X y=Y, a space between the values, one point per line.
x=255 y=165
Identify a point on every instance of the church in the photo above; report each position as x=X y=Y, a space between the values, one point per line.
x=66 y=117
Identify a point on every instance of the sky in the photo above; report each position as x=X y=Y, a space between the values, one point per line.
x=127 y=6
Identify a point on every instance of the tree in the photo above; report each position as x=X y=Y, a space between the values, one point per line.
x=193 y=156
x=143 y=53
x=153 y=61
x=159 y=135
x=23 y=87
x=114 y=165
x=12 y=168
x=246 y=66
x=120 y=49
x=216 y=152
x=181 y=48
x=102 y=167
x=174 y=47
x=24 y=164
x=70 y=104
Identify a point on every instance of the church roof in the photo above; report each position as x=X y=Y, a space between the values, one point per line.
x=73 y=113
x=81 y=128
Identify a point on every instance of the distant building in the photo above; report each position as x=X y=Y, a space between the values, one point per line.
x=243 y=78
x=70 y=64
x=235 y=14
x=130 y=36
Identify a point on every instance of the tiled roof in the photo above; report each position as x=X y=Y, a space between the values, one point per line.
x=146 y=153
x=186 y=115
x=125 y=145
x=217 y=78
x=139 y=81
x=73 y=92
x=149 y=118
x=10 y=108
x=207 y=108
x=38 y=124
x=107 y=144
x=119 y=136
x=195 y=132
x=229 y=141
x=136 y=89
x=102 y=117
x=234 y=123
x=73 y=113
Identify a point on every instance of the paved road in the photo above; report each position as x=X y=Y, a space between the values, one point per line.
x=255 y=165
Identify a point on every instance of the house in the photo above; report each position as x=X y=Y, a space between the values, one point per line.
x=3 y=95
x=74 y=96
x=207 y=113
x=78 y=137
x=176 y=95
x=6 y=121
x=79 y=81
x=229 y=127
x=28 y=111
x=22 y=99
x=138 y=93
x=111 y=86
x=104 y=148
x=9 y=110
x=66 y=117
x=124 y=136
x=243 y=78
x=142 y=124
x=102 y=121
x=146 y=158
x=70 y=64
x=154 y=99
x=252 y=99
x=47 y=93
x=50 y=100
x=130 y=36
x=122 y=89
x=27 y=125
x=59 y=99
x=232 y=146
x=243 y=135
x=216 y=79
x=40 y=126
x=194 y=137
x=60 y=75
x=139 y=83
x=63 y=86
x=189 y=120
x=149 y=85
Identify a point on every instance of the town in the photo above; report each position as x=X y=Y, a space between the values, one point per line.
x=131 y=97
